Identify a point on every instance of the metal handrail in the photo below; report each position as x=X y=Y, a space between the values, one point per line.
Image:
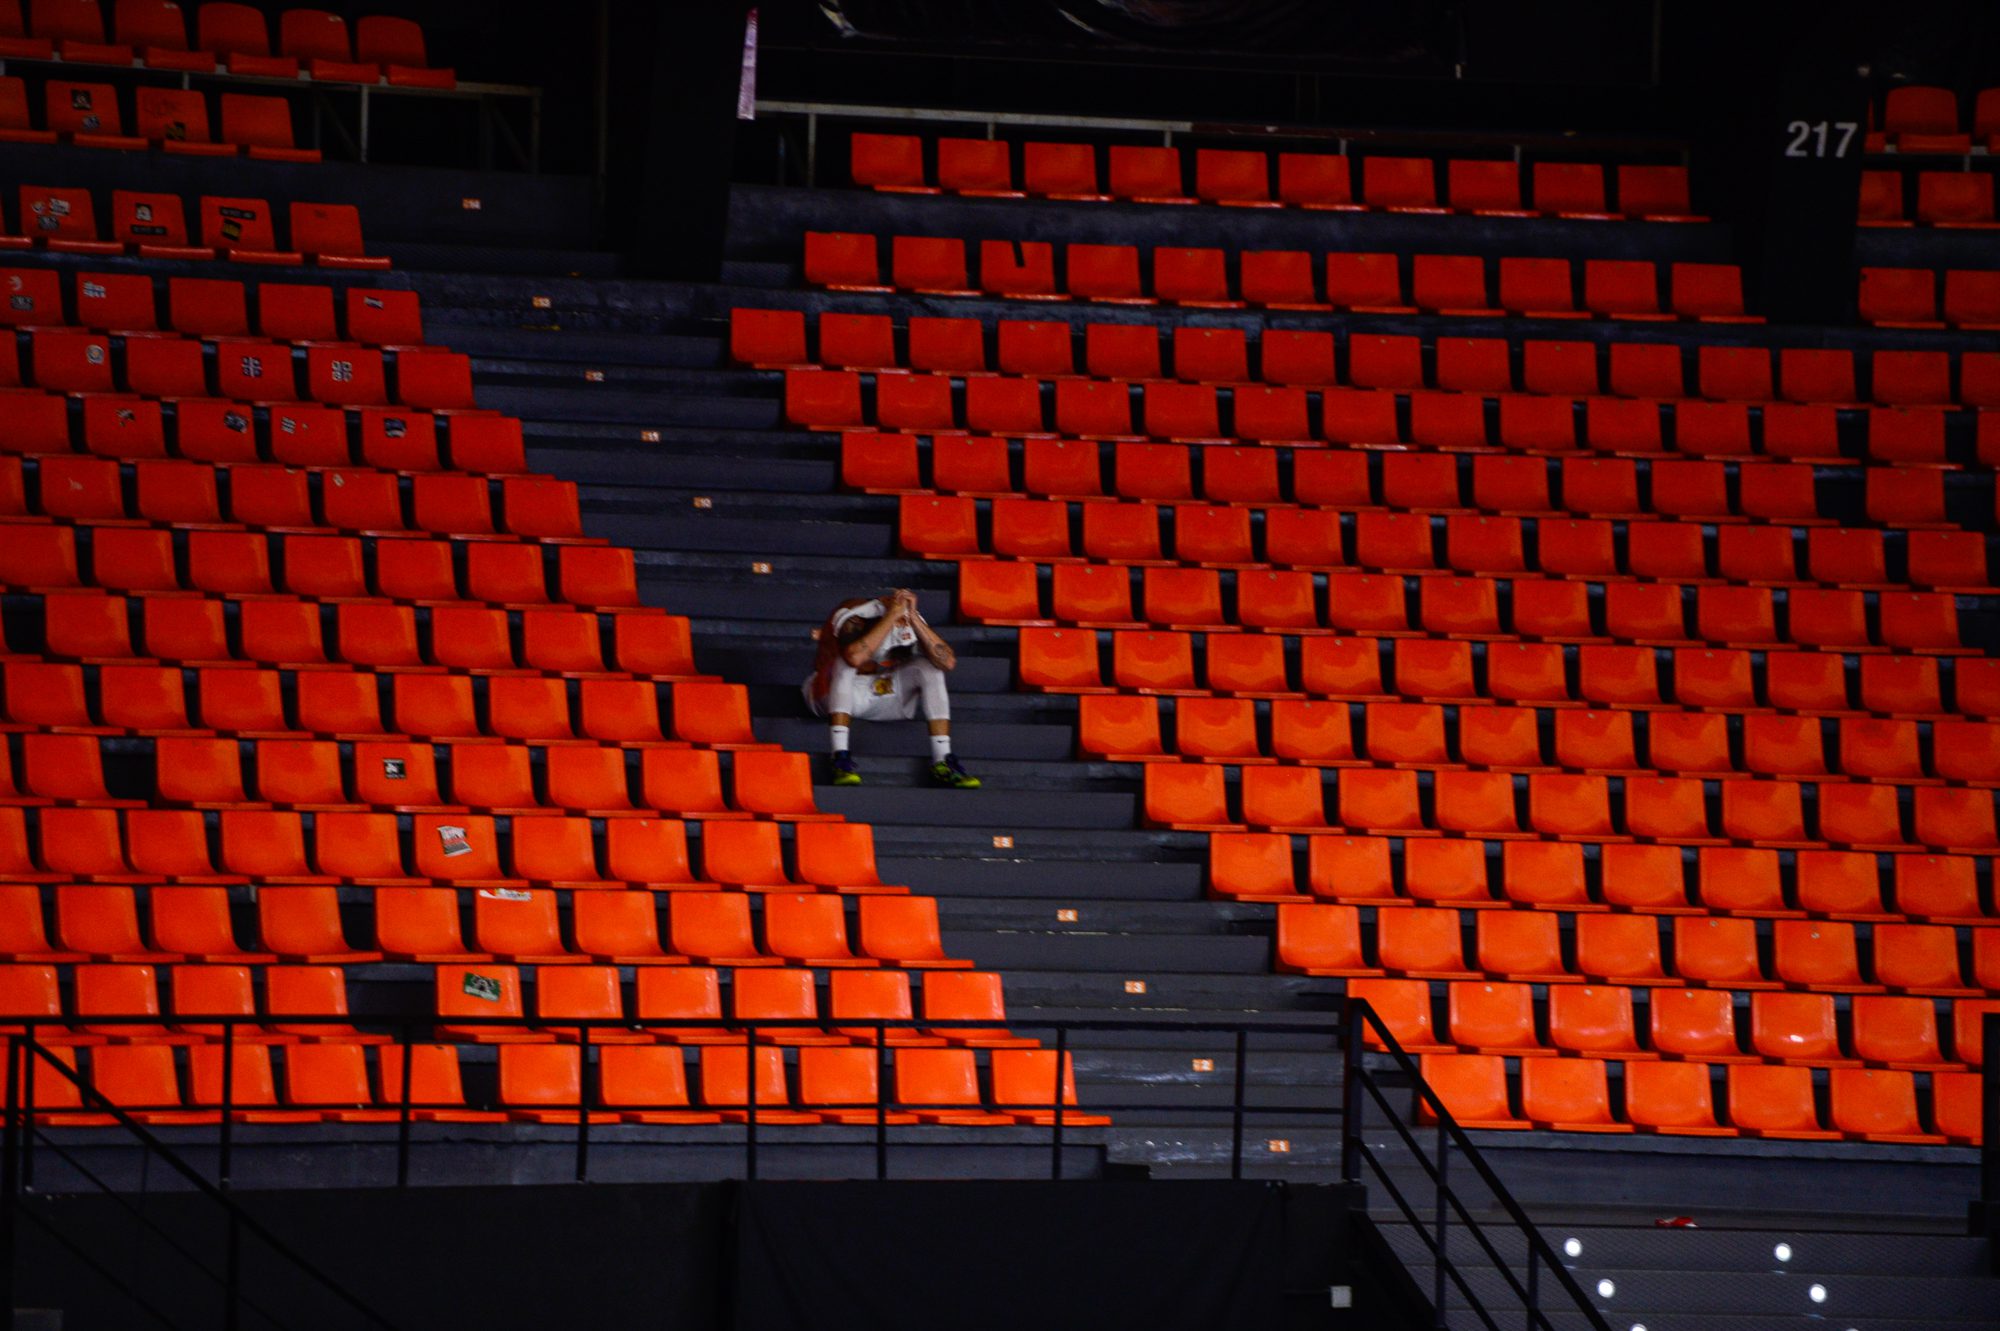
x=1361 y=1020
x=26 y=1127
x=23 y=1053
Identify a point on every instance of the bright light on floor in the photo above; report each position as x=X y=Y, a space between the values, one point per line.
x=1817 y=1293
x=1572 y=1247
x=1783 y=1252
x=1605 y=1289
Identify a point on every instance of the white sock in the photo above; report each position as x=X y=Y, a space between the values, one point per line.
x=940 y=748
x=838 y=734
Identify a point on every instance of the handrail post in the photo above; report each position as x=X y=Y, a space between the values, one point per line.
x=1353 y=1103
x=583 y=1108
x=226 y=1140
x=232 y=1312
x=881 y=1100
x=409 y=1054
x=10 y=1178
x=750 y=1103
x=1534 y=1288
x=1056 y=1138
x=1443 y=1220
x=1236 y=1105
x=29 y=1043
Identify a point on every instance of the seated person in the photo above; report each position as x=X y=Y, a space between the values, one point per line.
x=879 y=661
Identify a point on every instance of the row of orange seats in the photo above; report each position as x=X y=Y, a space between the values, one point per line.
x=214 y=309
x=199 y=994
x=1541 y=674
x=368 y=849
x=1678 y=1099
x=1425 y=481
x=1239 y=177
x=949 y=528
x=1923 y=118
x=1366 y=283
x=433 y=704
x=1367 y=418
x=91 y=490
x=1908 y=298
x=490 y=778
x=1944 y=198
x=101 y=923
x=1651 y=879
x=478 y=639
x=1527 y=946
x=33 y=992
x=1675 y=810
x=154 y=226
x=122 y=427
x=1009 y=592
x=1302 y=358
x=1590 y=487
x=80 y=621
x=231 y=37
x=73 y=361
x=1597 y=1021
x=757 y=994
x=635 y=1084
x=174 y=120
x=1614 y=742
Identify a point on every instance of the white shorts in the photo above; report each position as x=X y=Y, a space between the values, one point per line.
x=913 y=690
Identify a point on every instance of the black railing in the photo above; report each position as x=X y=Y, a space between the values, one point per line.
x=1529 y=1300
x=31 y=1117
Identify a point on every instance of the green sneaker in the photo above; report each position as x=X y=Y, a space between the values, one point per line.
x=948 y=773
x=845 y=773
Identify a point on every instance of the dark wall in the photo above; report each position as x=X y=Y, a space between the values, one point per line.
x=756 y=1257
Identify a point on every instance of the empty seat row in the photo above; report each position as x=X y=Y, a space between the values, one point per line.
x=1257 y=665
x=165 y=700
x=215 y=308
x=73 y=488
x=348 y=704
x=1369 y=418
x=1303 y=358
x=146 y=562
x=101 y=923
x=63 y=360
x=1425 y=481
x=1599 y=1021
x=231 y=37
x=1922 y=118
x=451 y=848
x=1684 y=810
x=1146 y=174
x=950 y=528
x=490 y=778
x=1340 y=478
x=1365 y=283
x=174 y=120
x=1944 y=198
x=1101 y=596
x=535 y=1083
x=305 y=1003
x=1528 y=946
x=1565 y=875
x=1678 y=1099
x=1613 y=741
x=212 y=430
x=1908 y=298
x=154 y=226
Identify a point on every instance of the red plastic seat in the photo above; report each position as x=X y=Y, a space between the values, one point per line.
x=1146 y=174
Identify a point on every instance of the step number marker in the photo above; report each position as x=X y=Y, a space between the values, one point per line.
x=1067 y=915
x=703 y=501
x=649 y=436
x=541 y=302
x=1203 y=1065
x=593 y=376
x=1135 y=986
x=1278 y=1146
x=1003 y=843
x=761 y=566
